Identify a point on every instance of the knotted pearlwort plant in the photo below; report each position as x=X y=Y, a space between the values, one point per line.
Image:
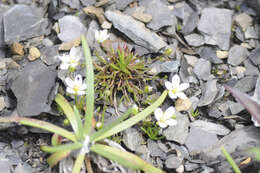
x=83 y=139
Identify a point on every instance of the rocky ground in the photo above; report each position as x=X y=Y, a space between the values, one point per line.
x=212 y=42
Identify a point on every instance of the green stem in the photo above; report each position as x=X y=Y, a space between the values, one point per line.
x=230 y=160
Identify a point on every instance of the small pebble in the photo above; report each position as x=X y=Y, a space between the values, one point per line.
x=34 y=53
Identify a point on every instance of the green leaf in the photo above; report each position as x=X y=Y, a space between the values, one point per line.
x=111 y=125
x=63 y=147
x=133 y=120
x=90 y=87
x=42 y=125
x=230 y=160
x=67 y=109
x=80 y=134
x=55 y=139
x=124 y=158
x=56 y=157
x=78 y=163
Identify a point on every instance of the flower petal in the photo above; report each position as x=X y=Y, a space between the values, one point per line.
x=64 y=58
x=176 y=80
x=183 y=86
x=158 y=113
x=70 y=90
x=172 y=96
x=69 y=82
x=171 y=122
x=181 y=95
x=64 y=66
x=73 y=52
x=168 y=85
x=169 y=112
x=162 y=125
x=78 y=80
x=80 y=92
x=83 y=87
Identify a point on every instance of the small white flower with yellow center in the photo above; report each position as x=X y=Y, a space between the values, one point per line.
x=101 y=36
x=76 y=86
x=71 y=60
x=165 y=119
x=175 y=88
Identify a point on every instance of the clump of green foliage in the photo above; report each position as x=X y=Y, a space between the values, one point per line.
x=122 y=74
x=195 y=113
x=151 y=130
x=83 y=139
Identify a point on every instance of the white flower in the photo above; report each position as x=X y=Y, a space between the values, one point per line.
x=101 y=36
x=76 y=86
x=165 y=119
x=71 y=60
x=175 y=88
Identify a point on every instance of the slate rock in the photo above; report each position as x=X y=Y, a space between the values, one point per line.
x=71 y=28
x=235 y=108
x=182 y=10
x=239 y=140
x=75 y=4
x=173 y=162
x=244 y=21
x=167 y=67
x=49 y=55
x=217 y=129
x=24 y=168
x=162 y=17
x=196 y=146
x=33 y=87
x=88 y=2
x=240 y=34
x=190 y=23
x=22 y=22
x=250 y=68
x=246 y=84
x=122 y=4
x=5 y=165
x=3 y=9
x=135 y=30
x=209 y=54
x=215 y=24
x=251 y=33
x=209 y=93
x=155 y=150
x=194 y=40
x=202 y=69
x=132 y=139
x=255 y=56
x=237 y=54
x=179 y=132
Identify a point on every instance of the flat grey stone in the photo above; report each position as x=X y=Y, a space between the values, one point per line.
x=246 y=84
x=135 y=30
x=209 y=93
x=237 y=54
x=182 y=10
x=22 y=22
x=202 y=69
x=190 y=23
x=257 y=89
x=168 y=66
x=250 y=68
x=33 y=88
x=179 y=132
x=209 y=54
x=251 y=33
x=72 y=3
x=240 y=34
x=2 y=103
x=239 y=140
x=235 y=108
x=196 y=146
x=88 y=2
x=49 y=55
x=5 y=165
x=217 y=129
x=23 y=168
x=155 y=150
x=163 y=16
x=71 y=28
x=255 y=56
x=122 y=4
x=194 y=40
x=173 y=162
x=132 y=139
x=215 y=24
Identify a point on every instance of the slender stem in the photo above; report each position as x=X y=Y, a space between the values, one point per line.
x=230 y=160
x=88 y=165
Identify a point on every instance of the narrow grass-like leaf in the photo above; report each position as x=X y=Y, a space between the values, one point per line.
x=251 y=105
x=256 y=151
x=56 y=157
x=111 y=125
x=230 y=160
x=90 y=87
x=80 y=134
x=48 y=127
x=40 y=124
x=55 y=139
x=78 y=163
x=53 y=149
x=124 y=158
x=133 y=120
x=67 y=109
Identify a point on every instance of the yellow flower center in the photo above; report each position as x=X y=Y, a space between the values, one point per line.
x=73 y=61
x=76 y=88
x=174 y=90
